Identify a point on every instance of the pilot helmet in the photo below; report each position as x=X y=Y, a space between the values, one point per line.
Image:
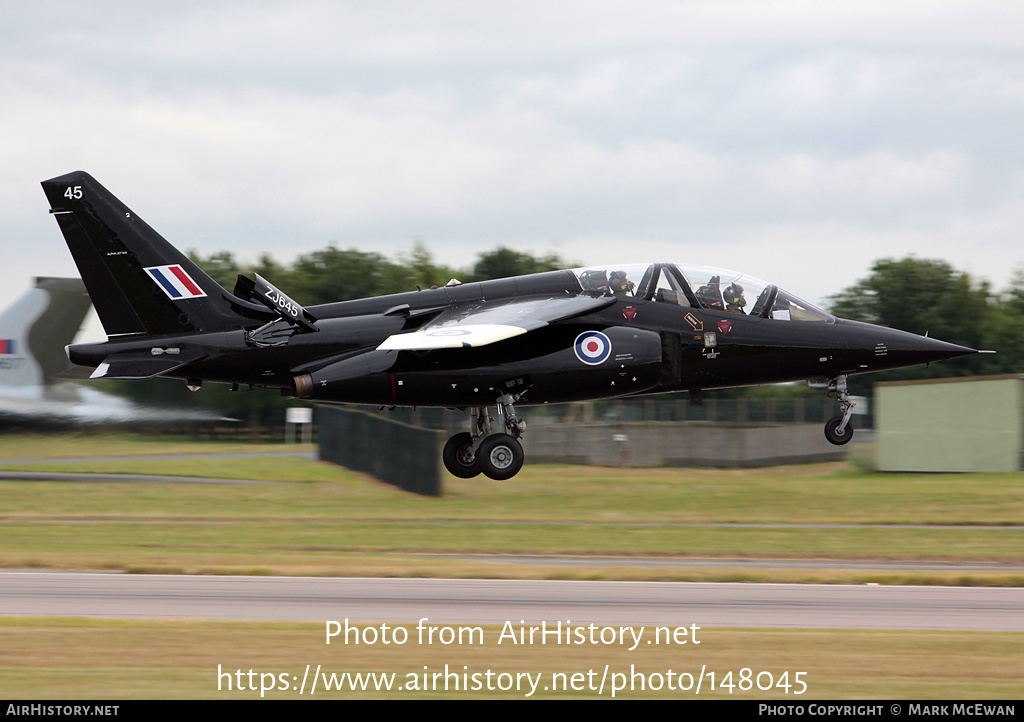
x=734 y=300
x=619 y=282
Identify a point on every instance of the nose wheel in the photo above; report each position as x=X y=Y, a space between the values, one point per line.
x=836 y=433
x=493 y=447
x=838 y=429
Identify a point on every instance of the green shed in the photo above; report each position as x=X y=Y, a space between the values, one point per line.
x=973 y=423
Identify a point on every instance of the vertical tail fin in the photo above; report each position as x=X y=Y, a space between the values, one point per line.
x=138 y=281
x=37 y=327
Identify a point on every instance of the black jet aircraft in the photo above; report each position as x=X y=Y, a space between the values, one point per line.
x=586 y=333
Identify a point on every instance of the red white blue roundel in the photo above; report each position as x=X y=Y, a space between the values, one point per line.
x=592 y=347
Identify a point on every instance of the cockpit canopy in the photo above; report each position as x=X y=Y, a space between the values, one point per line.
x=716 y=289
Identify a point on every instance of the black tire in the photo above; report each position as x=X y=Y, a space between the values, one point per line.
x=457 y=459
x=500 y=456
x=833 y=434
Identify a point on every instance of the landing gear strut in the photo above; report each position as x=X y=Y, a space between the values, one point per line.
x=492 y=448
x=838 y=429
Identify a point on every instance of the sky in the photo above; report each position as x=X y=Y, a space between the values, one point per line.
x=795 y=141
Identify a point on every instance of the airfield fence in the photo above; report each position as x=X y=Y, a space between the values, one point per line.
x=393 y=452
x=407 y=452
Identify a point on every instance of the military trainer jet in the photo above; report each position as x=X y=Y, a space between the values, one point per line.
x=585 y=333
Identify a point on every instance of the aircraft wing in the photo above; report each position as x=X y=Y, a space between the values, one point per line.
x=486 y=322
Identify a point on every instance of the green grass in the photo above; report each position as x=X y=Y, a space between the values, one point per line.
x=283 y=469
x=321 y=519
x=814 y=494
x=102 y=443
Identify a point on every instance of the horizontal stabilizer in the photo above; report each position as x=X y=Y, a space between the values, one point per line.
x=139 y=366
x=75 y=373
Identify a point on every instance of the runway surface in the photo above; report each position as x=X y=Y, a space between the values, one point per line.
x=726 y=562
x=452 y=601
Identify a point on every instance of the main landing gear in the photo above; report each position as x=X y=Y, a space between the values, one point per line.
x=492 y=448
x=838 y=429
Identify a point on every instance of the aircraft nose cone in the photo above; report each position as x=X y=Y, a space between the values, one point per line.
x=880 y=348
x=909 y=348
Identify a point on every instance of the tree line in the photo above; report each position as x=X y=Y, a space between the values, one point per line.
x=931 y=297
x=332 y=274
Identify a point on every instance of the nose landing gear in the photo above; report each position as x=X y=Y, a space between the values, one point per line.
x=838 y=429
x=836 y=433
x=492 y=448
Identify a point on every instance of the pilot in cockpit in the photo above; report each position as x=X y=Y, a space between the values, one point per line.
x=734 y=300
x=619 y=284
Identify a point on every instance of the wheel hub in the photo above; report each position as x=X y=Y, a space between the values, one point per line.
x=501 y=457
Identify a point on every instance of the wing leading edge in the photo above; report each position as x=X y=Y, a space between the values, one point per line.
x=487 y=322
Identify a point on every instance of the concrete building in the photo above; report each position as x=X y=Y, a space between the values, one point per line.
x=958 y=424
